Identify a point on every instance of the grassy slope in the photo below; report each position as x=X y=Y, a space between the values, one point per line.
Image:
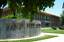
x=50 y=30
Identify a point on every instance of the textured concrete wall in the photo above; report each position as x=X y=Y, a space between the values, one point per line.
x=14 y=29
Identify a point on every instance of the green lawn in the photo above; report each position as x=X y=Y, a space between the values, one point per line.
x=50 y=30
x=10 y=16
x=34 y=39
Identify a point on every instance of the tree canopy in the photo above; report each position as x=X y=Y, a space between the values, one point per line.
x=27 y=7
x=62 y=18
x=62 y=15
x=3 y=3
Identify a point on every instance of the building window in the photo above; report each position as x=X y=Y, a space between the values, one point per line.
x=47 y=18
x=42 y=18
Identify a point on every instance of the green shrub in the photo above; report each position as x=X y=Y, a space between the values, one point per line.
x=61 y=28
x=54 y=28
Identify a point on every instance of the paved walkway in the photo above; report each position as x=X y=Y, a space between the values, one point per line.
x=60 y=38
x=56 y=39
x=53 y=34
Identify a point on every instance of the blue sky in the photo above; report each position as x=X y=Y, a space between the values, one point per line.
x=56 y=9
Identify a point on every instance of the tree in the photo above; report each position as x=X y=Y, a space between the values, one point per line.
x=29 y=7
x=2 y=5
x=62 y=16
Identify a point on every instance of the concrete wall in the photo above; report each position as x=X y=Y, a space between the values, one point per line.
x=11 y=28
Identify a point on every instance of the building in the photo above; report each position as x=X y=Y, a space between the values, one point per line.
x=47 y=19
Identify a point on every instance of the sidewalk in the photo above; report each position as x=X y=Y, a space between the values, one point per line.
x=60 y=38
x=53 y=34
x=56 y=39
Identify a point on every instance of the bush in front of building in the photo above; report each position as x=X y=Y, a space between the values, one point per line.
x=61 y=27
x=54 y=28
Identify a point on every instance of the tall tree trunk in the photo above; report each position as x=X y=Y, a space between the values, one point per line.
x=14 y=13
x=1 y=13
